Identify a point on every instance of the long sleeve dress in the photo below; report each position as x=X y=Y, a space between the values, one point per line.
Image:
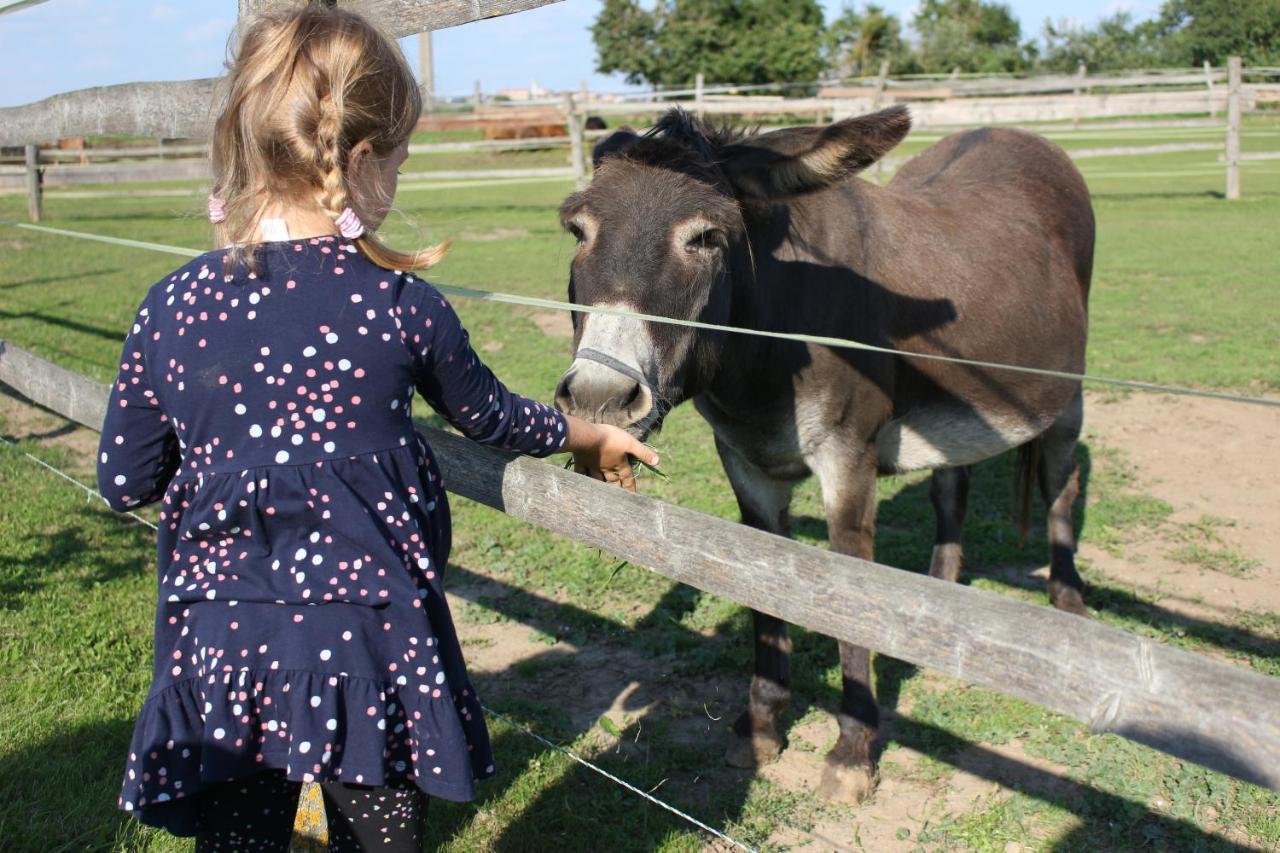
x=301 y=623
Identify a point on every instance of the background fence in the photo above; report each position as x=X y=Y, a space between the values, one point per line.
x=1061 y=103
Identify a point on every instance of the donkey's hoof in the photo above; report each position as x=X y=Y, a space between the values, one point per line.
x=754 y=751
x=850 y=784
x=1067 y=598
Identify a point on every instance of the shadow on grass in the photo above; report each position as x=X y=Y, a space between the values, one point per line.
x=574 y=801
x=60 y=793
x=53 y=279
x=1109 y=820
x=110 y=334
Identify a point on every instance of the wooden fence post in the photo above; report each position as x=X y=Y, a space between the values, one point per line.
x=877 y=98
x=881 y=81
x=1208 y=84
x=35 y=183
x=699 y=81
x=576 y=141
x=1081 y=71
x=476 y=98
x=426 y=72
x=1234 y=73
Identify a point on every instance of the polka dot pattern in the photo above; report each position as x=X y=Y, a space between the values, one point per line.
x=304 y=527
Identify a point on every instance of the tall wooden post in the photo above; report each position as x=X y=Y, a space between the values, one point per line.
x=585 y=89
x=477 y=97
x=877 y=98
x=699 y=82
x=1235 y=71
x=426 y=72
x=1082 y=71
x=1208 y=84
x=35 y=184
x=577 y=141
x=882 y=80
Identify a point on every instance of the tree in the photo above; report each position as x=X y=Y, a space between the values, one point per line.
x=1197 y=30
x=624 y=33
x=857 y=42
x=730 y=41
x=971 y=35
x=1116 y=43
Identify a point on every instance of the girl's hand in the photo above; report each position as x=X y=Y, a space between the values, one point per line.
x=604 y=452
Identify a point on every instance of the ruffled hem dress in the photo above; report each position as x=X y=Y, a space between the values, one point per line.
x=301 y=622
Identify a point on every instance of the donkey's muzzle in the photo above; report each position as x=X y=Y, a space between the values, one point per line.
x=599 y=391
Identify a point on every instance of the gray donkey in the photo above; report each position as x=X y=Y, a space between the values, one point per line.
x=981 y=247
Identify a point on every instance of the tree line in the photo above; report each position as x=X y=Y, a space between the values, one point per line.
x=667 y=43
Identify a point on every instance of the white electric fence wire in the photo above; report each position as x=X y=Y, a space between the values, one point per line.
x=821 y=340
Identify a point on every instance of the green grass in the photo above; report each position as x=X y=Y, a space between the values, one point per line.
x=1183 y=292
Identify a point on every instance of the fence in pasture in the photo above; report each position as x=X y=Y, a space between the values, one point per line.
x=1190 y=706
x=181 y=111
x=1187 y=705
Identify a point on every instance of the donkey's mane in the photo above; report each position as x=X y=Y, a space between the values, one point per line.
x=695 y=134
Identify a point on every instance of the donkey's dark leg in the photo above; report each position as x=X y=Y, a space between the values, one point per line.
x=849 y=496
x=1060 y=485
x=764 y=503
x=949 y=493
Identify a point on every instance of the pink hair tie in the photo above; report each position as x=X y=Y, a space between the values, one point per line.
x=349 y=225
x=217 y=209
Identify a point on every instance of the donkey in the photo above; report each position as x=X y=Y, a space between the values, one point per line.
x=981 y=247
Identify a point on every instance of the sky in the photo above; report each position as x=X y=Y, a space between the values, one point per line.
x=62 y=45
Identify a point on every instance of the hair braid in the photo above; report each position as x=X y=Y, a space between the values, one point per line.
x=332 y=194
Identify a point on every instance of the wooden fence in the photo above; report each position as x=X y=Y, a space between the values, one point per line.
x=1190 y=706
x=181 y=110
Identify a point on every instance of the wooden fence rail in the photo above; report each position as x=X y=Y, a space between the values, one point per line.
x=183 y=109
x=1190 y=706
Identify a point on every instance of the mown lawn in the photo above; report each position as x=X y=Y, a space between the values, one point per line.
x=1184 y=293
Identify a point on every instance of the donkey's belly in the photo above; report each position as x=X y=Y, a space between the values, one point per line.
x=945 y=437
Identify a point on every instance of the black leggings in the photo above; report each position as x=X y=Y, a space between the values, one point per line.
x=257 y=814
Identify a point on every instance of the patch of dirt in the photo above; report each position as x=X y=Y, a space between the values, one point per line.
x=553 y=324
x=22 y=420
x=495 y=234
x=1205 y=458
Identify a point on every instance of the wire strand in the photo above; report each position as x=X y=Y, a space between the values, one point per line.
x=94 y=493
x=821 y=340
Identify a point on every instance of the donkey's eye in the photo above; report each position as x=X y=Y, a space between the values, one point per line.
x=709 y=240
x=577 y=232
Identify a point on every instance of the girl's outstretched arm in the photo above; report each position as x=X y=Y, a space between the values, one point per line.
x=458 y=385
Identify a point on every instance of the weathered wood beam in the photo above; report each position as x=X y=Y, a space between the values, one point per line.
x=399 y=18
x=185 y=109
x=1190 y=706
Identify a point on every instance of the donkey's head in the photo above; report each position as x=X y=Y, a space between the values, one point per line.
x=661 y=230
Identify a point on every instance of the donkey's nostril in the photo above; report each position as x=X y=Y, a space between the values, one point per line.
x=633 y=397
x=564 y=394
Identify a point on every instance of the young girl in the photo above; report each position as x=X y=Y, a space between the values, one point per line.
x=264 y=396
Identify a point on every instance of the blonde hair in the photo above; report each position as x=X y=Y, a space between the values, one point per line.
x=307 y=86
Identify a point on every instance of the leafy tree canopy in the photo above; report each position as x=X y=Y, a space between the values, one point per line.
x=668 y=42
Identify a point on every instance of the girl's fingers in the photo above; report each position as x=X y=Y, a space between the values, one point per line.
x=646 y=455
x=627 y=478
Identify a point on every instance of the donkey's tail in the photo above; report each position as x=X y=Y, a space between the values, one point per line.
x=1024 y=480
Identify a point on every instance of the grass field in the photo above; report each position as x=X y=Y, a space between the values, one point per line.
x=1184 y=292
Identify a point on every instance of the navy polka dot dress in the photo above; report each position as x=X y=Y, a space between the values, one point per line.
x=301 y=622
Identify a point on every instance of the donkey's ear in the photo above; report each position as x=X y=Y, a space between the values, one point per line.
x=619 y=140
x=796 y=160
